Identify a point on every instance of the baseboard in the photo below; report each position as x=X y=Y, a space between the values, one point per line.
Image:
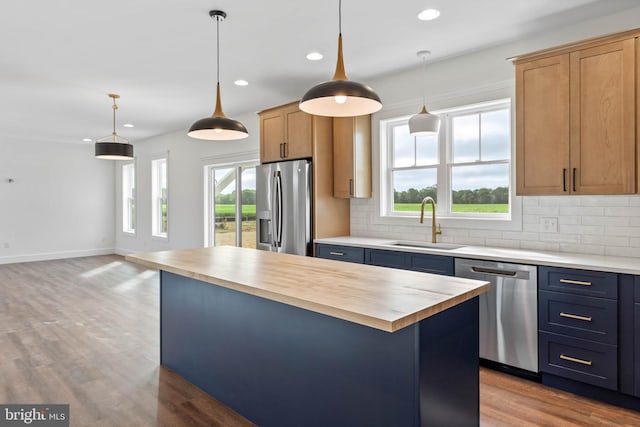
x=47 y=256
x=124 y=252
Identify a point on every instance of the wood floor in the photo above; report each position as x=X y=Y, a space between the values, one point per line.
x=84 y=331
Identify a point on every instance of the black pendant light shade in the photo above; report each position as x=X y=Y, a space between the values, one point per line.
x=340 y=97
x=218 y=127
x=114 y=151
x=114 y=147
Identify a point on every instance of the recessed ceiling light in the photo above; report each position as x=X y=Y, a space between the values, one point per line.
x=128 y=125
x=314 y=56
x=428 y=14
x=86 y=140
x=241 y=82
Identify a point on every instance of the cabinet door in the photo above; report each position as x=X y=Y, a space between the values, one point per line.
x=298 y=136
x=542 y=126
x=382 y=258
x=637 y=349
x=352 y=156
x=603 y=119
x=271 y=136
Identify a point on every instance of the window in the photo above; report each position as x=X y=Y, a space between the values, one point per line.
x=159 y=198
x=231 y=219
x=129 y=198
x=465 y=168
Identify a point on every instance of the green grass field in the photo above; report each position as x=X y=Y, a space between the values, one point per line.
x=229 y=210
x=460 y=208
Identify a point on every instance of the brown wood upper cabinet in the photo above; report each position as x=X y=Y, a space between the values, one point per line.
x=352 y=156
x=285 y=133
x=576 y=118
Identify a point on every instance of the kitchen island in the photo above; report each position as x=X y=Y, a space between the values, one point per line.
x=287 y=340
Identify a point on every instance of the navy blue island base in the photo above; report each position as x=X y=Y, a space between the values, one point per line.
x=279 y=365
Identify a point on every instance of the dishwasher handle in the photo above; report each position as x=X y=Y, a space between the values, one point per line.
x=494 y=271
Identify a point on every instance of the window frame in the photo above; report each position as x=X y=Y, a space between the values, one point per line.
x=503 y=91
x=126 y=212
x=209 y=199
x=156 y=212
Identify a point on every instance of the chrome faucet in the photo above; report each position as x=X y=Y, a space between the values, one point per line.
x=432 y=202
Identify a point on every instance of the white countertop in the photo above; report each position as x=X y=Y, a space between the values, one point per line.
x=521 y=256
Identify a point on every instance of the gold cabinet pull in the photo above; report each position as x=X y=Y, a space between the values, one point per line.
x=336 y=253
x=573 y=359
x=575 y=316
x=575 y=282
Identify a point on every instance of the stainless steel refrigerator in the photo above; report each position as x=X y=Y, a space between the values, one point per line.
x=283 y=207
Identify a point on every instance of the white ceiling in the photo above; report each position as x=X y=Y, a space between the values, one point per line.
x=59 y=59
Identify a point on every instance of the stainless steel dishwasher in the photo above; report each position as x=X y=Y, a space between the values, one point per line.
x=508 y=311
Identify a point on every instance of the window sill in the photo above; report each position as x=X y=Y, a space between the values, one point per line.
x=129 y=233
x=160 y=237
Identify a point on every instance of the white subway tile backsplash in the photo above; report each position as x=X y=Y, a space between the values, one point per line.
x=582 y=210
x=619 y=251
x=582 y=229
x=601 y=225
x=605 y=220
x=606 y=240
x=622 y=211
x=558 y=201
x=603 y=200
x=582 y=249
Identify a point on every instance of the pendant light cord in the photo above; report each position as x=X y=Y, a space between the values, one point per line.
x=218 y=46
x=115 y=107
x=340 y=17
x=424 y=86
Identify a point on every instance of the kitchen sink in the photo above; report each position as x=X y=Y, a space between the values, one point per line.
x=425 y=245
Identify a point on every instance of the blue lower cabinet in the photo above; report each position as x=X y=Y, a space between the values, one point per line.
x=434 y=264
x=589 y=318
x=581 y=282
x=340 y=253
x=637 y=349
x=382 y=258
x=581 y=360
x=425 y=263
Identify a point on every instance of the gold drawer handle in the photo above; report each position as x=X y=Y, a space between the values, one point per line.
x=336 y=253
x=573 y=359
x=575 y=282
x=575 y=316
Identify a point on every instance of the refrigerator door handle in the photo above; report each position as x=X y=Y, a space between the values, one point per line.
x=278 y=207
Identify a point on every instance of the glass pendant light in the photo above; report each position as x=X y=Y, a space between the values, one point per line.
x=340 y=97
x=114 y=147
x=424 y=123
x=218 y=127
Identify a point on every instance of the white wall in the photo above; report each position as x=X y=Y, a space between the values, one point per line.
x=604 y=225
x=187 y=158
x=60 y=204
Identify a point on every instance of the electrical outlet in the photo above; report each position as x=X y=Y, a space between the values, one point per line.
x=549 y=224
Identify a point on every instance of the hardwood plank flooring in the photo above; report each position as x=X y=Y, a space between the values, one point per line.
x=85 y=331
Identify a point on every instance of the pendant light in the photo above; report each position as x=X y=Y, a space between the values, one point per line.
x=424 y=123
x=340 y=97
x=218 y=127
x=114 y=147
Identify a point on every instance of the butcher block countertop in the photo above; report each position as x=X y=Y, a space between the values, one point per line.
x=381 y=298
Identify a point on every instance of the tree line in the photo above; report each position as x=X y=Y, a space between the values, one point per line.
x=498 y=195
x=248 y=198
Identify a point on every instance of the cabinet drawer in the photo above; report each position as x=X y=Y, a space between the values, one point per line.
x=340 y=253
x=589 y=318
x=581 y=360
x=581 y=282
x=384 y=258
x=435 y=264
